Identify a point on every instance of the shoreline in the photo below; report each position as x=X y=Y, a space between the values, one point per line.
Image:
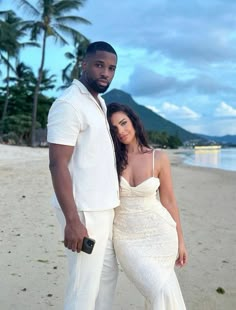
x=33 y=263
x=210 y=158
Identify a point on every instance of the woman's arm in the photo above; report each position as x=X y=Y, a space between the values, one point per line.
x=168 y=200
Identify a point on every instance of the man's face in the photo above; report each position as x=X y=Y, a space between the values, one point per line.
x=99 y=70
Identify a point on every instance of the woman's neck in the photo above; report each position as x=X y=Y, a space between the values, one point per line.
x=134 y=148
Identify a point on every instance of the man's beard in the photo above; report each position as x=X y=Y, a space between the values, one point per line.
x=98 y=88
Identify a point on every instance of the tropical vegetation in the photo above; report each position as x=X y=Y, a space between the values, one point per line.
x=50 y=18
x=163 y=140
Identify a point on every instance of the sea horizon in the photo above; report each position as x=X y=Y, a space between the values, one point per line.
x=224 y=158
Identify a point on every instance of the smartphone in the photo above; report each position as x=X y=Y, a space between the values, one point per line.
x=88 y=245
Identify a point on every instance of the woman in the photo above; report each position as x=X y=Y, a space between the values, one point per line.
x=148 y=238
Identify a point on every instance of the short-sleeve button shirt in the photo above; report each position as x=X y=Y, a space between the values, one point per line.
x=77 y=120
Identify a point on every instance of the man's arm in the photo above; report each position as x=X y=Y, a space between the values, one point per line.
x=75 y=231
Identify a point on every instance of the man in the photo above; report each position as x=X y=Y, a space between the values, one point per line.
x=82 y=165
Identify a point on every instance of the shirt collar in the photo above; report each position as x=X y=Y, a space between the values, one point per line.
x=84 y=90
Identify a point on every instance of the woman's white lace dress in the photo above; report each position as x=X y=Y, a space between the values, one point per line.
x=146 y=245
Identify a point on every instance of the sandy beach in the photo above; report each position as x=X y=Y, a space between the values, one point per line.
x=32 y=260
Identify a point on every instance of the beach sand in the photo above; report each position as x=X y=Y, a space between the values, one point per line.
x=32 y=260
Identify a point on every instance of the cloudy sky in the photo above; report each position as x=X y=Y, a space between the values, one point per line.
x=176 y=57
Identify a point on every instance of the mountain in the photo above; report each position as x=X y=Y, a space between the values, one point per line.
x=151 y=120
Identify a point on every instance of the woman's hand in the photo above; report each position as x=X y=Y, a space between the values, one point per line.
x=183 y=256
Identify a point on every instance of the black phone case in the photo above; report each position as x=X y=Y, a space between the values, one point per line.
x=88 y=245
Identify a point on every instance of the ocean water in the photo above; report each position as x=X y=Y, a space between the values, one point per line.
x=224 y=158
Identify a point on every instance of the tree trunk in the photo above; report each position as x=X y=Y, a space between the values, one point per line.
x=4 y=113
x=36 y=93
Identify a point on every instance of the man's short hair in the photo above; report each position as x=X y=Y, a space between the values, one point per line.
x=99 y=46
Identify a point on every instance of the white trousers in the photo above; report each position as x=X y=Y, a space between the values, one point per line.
x=92 y=277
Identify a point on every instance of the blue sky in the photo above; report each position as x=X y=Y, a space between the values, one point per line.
x=176 y=57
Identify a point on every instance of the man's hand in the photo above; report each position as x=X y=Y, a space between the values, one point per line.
x=75 y=232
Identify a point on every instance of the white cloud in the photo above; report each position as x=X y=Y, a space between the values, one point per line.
x=218 y=127
x=154 y=109
x=224 y=110
x=197 y=123
x=170 y=107
x=174 y=112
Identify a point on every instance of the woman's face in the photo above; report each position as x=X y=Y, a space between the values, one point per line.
x=123 y=127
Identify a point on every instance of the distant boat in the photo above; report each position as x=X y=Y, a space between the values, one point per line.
x=207 y=147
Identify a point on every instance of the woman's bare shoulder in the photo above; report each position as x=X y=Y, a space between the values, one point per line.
x=161 y=155
x=158 y=152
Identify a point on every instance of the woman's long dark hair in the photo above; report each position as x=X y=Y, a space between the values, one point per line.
x=120 y=148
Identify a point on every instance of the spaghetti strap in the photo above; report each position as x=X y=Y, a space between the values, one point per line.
x=153 y=162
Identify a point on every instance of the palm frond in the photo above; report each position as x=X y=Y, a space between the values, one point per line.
x=79 y=38
x=26 y=24
x=64 y=6
x=65 y=76
x=26 y=5
x=11 y=79
x=69 y=56
x=7 y=63
x=26 y=44
x=77 y=19
x=67 y=68
x=59 y=37
x=22 y=70
x=35 y=30
x=60 y=88
x=5 y=13
x=67 y=30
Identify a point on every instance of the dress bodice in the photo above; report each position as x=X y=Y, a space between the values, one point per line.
x=138 y=198
x=147 y=188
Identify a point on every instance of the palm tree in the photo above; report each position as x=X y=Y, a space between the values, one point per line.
x=25 y=78
x=74 y=68
x=10 y=36
x=18 y=122
x=7 y=49
x=51 y=20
